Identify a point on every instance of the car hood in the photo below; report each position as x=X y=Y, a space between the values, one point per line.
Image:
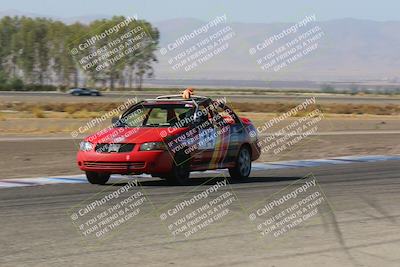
x=133 y=135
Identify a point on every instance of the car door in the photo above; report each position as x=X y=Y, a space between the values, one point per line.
x=229 y=135
x=206 y=143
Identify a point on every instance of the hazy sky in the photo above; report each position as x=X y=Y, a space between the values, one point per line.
x=237 y=10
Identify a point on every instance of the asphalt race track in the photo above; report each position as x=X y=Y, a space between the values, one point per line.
x=359 y=225
x=10 y=96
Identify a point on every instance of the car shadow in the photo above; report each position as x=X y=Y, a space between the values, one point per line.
x=196 y=181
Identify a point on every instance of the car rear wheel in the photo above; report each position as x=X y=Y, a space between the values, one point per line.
x=97 y=177
x=180 y=172
x=242 y=167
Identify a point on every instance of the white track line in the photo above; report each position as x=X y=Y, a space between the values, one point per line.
x=257 y=166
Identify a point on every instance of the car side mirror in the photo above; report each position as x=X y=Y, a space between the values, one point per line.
x=199 y=119
x=114 y=120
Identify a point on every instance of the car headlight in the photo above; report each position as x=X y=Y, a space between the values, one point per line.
x=152 y=146
x=85 y=146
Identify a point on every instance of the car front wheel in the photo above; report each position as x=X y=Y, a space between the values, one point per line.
x=180 y=172
x=97 y=177
x=242 y=167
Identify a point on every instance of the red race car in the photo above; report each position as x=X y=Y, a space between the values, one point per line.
x=168 y=137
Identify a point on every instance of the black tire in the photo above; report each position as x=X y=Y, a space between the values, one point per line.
x=97 y=177
x=242 y=167
x=159 y=175
x=180 y=172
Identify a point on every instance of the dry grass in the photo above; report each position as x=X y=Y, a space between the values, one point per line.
x=91 y=110
x=69 y=108
x=326 y=108
x=84 y=114
x=38 y=112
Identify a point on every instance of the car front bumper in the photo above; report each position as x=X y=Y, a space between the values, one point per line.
x=135 y=162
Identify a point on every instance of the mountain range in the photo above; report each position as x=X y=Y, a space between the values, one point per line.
x=349 y=50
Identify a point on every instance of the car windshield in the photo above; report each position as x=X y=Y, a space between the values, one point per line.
x=164 y=115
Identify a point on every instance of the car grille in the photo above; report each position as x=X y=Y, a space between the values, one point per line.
x=104 y=148
x=114 y=165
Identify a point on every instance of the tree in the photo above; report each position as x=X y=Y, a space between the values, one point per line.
x=140 y=63
x=327 y=88
x=38 y=51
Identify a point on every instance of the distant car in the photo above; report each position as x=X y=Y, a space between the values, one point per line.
x=168 y=137
x=84 y=91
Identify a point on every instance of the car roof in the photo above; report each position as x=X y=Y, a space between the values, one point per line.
x=177 y=99
x=152 y=103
